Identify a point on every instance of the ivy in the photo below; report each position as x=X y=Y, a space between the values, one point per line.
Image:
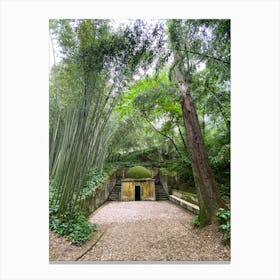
x=223 y=217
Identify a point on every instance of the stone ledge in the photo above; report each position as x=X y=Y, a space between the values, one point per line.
x=137 y=179
x=185 y=204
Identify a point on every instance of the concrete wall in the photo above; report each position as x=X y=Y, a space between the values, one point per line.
x=190 y=197
x=185 y=204
x=100 y=195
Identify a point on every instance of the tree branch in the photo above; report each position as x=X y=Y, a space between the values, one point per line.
x=161 y=133
x=205 y=55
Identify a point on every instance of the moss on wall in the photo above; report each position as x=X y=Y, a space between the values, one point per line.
x=190 y=197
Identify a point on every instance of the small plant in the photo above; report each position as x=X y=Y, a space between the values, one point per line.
x=200 y=220
x=196 y=223
x=223 y=217
x=80 y=230
x=77 y=230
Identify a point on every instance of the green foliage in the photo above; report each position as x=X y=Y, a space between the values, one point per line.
x=203 y=221
x=190 y=197
x=53 y=192
x=223 y=217
x=80 y=230
x=73 y=224
x=167 y=172
x=200 y=221
x=95 y=177
x=77 y=229
x=182 y=166
x=125 y=104
x=196 y=223
x=149 y=157
x=100 y=115
x=97 y=62
x=155 y=100
x=219 y=156
x=137 y=172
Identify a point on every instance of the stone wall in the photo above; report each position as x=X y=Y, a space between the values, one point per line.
x=190 y=197
x=155 y=174
x=167 y=180
x=100 y=194
x=120 y=174
x=185 y=204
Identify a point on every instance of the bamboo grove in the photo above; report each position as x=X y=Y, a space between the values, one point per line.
x=97 y=62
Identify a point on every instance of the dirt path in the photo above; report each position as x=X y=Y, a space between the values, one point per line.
x=149 y=231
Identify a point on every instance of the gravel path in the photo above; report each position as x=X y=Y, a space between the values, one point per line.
x=153 y=231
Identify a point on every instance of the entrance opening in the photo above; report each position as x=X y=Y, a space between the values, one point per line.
x=137 y=193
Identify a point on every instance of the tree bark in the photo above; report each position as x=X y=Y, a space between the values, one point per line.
x=208 y=195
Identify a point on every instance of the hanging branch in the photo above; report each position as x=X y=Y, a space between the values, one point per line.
x=161 y=133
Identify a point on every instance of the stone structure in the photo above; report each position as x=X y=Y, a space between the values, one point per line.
x=100 y=194
x=138 y=189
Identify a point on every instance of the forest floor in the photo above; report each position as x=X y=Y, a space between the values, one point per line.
x=143 y=231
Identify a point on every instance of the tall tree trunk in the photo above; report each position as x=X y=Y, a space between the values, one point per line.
x=208 y=195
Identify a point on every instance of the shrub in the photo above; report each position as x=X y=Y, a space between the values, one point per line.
x=80 y=230
x=77 y=230
x=138 y=172
x=223 y=217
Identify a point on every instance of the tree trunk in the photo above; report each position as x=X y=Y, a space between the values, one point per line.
x=208 y=195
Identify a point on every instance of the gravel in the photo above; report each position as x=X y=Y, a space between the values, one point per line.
x=145 y=231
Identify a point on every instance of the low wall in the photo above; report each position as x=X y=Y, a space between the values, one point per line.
x=190 y=197
x=185 y=204
x=100 y=194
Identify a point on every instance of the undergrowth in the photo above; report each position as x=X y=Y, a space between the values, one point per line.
x=74 y=224
x=223 y=217
x=77 y=229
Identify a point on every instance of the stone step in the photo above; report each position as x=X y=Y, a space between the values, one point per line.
x=160 y=193
x=115 y=193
